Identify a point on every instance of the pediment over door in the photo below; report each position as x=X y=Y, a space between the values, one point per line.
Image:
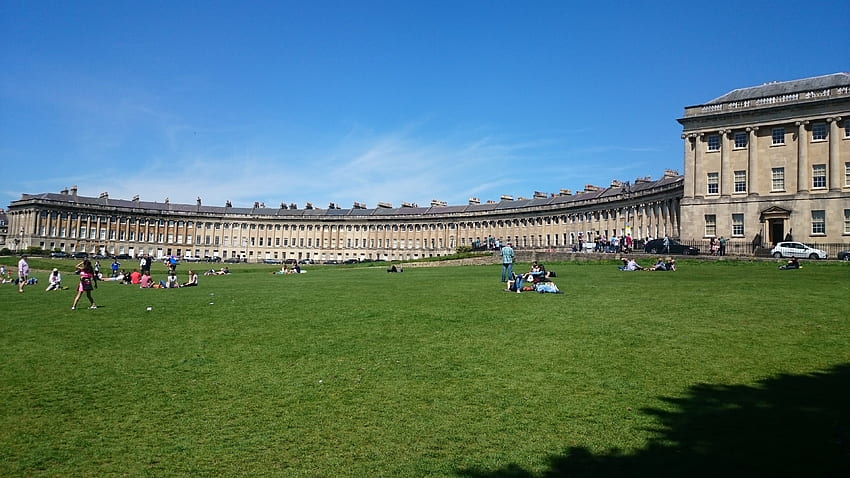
x=775 y=212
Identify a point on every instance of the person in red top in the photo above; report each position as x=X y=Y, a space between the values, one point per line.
x=87 y=283
x=135 y=277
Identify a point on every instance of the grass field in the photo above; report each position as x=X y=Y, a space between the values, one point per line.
x=728 y=368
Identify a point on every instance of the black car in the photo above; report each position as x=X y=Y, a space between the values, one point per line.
x=844 y=256
x=80 y=255
x=656 y=246
x=60 y=254
x=233 y=260
x=123 y=257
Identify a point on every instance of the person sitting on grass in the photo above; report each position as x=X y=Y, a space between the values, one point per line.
x=193 y=279
x=55 y=280
x=146 y=282
x=630 y=265
x=793 y=263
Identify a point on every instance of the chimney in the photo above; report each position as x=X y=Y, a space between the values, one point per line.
x=104 y=195
x=566 y=192
x=64 y=191
x=540 y=195
x=385 y=205
x=670 y=173
x=474 y=201
x=505 y=197
x=74 y=190
x=136 y=198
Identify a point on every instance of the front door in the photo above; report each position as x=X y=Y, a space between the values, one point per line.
x=777 y=230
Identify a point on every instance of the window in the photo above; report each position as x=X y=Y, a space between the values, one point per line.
x=713 y=182
x=737 y=224
x=777 y=179
x=846 y=174
x=740 y=139
x=847 y=128
x=818 y=222
x=847 y=221
x=714 y=142
x=819 y=176
x=710 y=225
x=818 y=131
x=778 y=135
x=740 y=181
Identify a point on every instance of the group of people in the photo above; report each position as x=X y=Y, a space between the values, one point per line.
x=616 y=244
x=221 y=272
x=668 y=264
x=717 y=246
x=535 y=279
x=285 y=269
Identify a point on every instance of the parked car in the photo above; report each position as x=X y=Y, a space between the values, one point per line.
x=656 y=246
x=99 y=257
x=305 y=261
x=844 y=256
x=796 y=249
x=234 y=260
x=351 y=261
x=331 y=261
x=272 y=261
x=80 y=255
x=188 y=258
x=123 y=257
x=212 y=258
x=60 y=254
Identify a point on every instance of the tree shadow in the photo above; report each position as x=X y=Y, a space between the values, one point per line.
x=788 y=425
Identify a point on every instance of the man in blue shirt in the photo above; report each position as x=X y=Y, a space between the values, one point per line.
x=507 y=262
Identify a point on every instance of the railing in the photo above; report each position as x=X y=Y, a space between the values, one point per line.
x=749 y=248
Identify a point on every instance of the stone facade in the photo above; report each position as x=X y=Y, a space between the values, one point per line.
x=73 y=223
x=769 y=162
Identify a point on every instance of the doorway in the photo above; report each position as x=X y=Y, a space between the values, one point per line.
x=777 y=230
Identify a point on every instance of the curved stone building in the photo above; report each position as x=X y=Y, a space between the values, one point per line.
x=71 y=222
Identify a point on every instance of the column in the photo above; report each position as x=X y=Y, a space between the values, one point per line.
x=802 y=163
x=698 y=167
x=752 y=160
x=688 y=142
x=835 y=174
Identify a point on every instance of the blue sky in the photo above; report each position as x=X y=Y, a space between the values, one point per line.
x=367 y=101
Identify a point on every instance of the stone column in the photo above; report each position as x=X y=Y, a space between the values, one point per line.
x=802 y=163
x=698 y=166
x=689 y=154
x=752 y=160
x=834 y=159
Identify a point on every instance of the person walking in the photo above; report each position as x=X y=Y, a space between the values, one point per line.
x=507 y=262
x=87 y=283
x=23 y=272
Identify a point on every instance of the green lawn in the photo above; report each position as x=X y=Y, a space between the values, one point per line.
x=731 y=368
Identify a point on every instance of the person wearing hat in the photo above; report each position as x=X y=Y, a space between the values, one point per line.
x=55 y=280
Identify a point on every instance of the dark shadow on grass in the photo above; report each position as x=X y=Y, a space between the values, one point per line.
x=789 y=425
